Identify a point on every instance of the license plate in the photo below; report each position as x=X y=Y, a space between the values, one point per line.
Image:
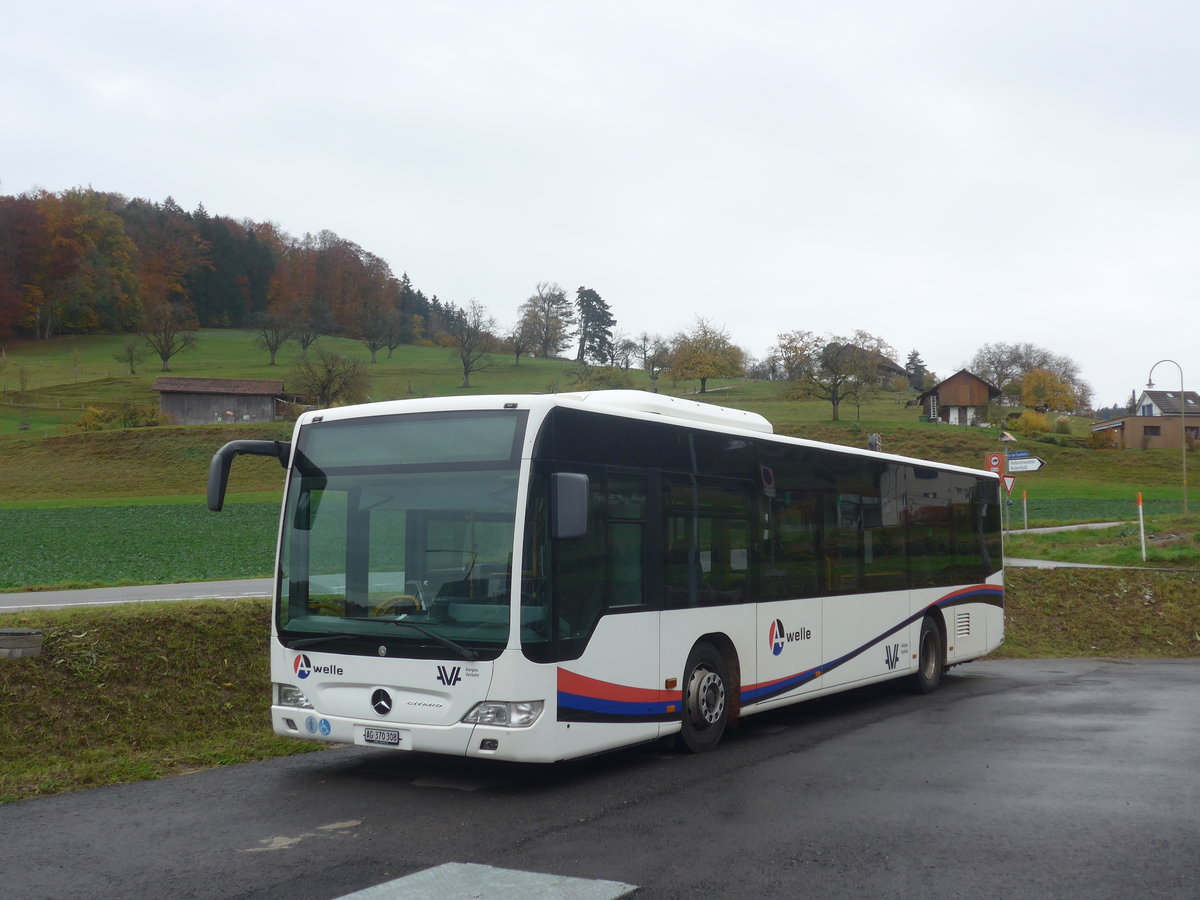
x=388 y=737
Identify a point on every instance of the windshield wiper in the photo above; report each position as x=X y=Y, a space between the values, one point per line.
x=306 y=642
x=464 y=652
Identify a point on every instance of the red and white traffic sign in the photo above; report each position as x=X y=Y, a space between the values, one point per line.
x=995 y=463
x=1009 y=481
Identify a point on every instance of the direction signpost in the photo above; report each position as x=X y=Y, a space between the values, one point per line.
x=1027 y=464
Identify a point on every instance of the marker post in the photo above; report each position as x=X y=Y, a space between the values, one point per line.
x=1142 y=525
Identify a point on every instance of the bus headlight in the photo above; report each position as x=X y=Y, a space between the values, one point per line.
x=521 y=714
x=290 y=695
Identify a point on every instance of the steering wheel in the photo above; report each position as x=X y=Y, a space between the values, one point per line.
x=396 y=602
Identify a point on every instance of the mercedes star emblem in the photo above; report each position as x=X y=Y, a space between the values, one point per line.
x=381 y=702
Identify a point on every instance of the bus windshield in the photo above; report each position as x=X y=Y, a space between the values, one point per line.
x=398 y=535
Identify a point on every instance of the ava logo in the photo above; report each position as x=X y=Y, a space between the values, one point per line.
x=775 y=637
x=891 y=655
x=449 y=676
x=778 y=636
x=303 y=667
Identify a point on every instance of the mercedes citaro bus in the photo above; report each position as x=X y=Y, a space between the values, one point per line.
x=543 y=577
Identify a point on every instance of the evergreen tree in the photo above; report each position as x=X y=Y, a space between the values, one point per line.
x=915 y=367
x=595 y=327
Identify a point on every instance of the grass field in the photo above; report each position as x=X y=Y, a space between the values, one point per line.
x=124 y=694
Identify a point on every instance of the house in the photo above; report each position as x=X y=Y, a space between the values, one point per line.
x=205 y=401
x=1155 y=423
x=957 y=400
x=887 y=371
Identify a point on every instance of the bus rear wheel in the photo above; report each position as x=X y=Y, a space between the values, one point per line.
x=929 y=658
x=705 y=704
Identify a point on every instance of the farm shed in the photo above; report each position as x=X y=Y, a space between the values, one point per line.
x=958 y=399
x=206 y=401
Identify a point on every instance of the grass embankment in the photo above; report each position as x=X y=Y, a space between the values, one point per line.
x=125 y=694
x=1172 y=542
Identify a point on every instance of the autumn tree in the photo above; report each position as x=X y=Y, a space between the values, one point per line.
x=1005 y=365
x=473 y=333
x=596 y=323
x=828 y=367
x=705 y=352
x=330 y=378
x=1041 y=388
x=168 y=330
x=551 y=316
x=89 y=283
x=24 y=247
x=274 y=330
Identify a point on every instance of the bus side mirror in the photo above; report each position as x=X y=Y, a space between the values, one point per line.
x=218 y=468
x=568 y=505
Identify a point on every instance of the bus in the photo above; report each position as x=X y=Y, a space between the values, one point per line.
x=543 y=577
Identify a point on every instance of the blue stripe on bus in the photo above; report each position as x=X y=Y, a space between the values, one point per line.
x=980 y=593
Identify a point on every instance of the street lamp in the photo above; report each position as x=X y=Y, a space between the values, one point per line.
x=1182 y=419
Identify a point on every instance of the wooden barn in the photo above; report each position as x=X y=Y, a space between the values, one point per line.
x=958 y=399
x=208 y=401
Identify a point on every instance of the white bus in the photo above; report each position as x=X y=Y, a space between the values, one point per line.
x=538 y=578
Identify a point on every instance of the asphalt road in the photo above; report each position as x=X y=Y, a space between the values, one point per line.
x=1041 y=778
x=141 y=593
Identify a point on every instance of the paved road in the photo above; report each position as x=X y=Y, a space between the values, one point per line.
x=1029 y=778
x=148 y=593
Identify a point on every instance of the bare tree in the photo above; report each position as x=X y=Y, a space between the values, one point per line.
x=654 y=354
x=274 y=330
x=132 y=353
x=374 y=327
x=522 y=339
x=167 y=329
x=474 y=334
x=308 y=320
x=330 y=378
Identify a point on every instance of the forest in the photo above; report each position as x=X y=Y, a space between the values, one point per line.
x=85 y=261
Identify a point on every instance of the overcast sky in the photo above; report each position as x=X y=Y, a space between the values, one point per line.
x=939 y=174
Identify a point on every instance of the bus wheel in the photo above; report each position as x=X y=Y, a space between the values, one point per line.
x=705 y=706
x=929 y=658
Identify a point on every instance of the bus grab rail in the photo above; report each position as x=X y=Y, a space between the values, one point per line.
x=218 y=468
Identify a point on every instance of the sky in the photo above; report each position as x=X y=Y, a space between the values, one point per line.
x=942 y=175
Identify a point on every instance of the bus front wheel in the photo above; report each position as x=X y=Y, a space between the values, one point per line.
x=705 y=704
x=929 y=658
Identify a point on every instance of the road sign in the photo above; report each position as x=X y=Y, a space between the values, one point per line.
x=995 y=462
x=1017 y=454
x=1009 y=481
x=1026 y=465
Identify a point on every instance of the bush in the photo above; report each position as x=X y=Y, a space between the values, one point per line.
x=1030 y=422
x=127 y=415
